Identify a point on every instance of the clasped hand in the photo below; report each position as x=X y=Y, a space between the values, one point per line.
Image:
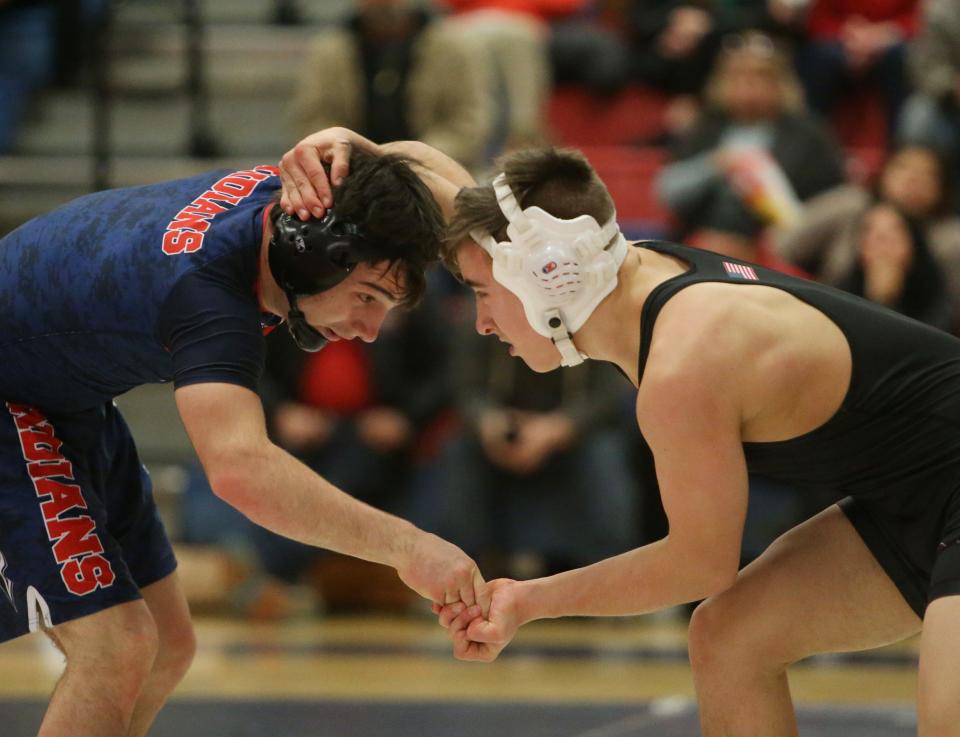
x=473 y=636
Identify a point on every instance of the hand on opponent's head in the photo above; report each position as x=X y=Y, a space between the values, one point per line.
x=307 y=189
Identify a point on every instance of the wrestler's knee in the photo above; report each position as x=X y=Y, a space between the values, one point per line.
x=709 y=637
x=117 y=644
x=177 y=648
x=726 y=630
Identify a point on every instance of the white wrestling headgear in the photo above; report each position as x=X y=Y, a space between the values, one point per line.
x=559 y=269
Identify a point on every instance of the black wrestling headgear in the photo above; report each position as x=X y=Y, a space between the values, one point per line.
x=310 y=257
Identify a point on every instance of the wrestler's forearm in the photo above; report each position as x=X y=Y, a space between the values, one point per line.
x=276 y=491
x=442 y=175
x=649 y=578
x=434 y=160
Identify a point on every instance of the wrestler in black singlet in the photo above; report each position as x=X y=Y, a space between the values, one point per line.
x=894 y=444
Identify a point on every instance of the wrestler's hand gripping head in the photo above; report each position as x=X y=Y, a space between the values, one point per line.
x=559 y=269
x=310 y=257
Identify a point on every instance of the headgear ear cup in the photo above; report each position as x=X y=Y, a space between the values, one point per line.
x=559 y=269
x=340 y=253
x=313 y=256
x=310 y=257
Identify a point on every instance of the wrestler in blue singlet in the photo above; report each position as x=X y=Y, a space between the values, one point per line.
x=111 y=291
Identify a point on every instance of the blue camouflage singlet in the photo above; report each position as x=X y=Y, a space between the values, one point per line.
x=111 y=291
x=132 y=286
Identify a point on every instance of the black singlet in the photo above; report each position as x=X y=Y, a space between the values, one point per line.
x=898 y=428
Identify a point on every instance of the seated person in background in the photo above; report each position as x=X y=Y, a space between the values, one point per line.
x=894 y=267
x=540 y=479
x=754 y=151
x=853 y=43
x=393 y=72
x=674 y=43
x=587 y=47
x=932 y=114
x=916 y=181
x=514 y=47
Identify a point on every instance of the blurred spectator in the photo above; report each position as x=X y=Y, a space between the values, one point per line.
x=917 y=181
x=754 y=152
x=894 y=267
x=932 y=114
x=392 y=72
x=354 y=412
x=585 y=50
x=674 y=43
x=853 y=43
x=40 y=43
x=513 y=46
x=27 y=60
x=532 y=44
x=541 y=474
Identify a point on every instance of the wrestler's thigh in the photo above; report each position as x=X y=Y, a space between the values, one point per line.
x=938 y=702
x=816 y=589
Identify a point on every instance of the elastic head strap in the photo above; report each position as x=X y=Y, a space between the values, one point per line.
x=511 y=209
x=507 y=199
x=486 y=241
x=569 y=355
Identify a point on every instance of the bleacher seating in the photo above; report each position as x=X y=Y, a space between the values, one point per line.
x=616 y=135
x=610 y=132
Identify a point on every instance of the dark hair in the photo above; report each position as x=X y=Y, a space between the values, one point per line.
x=396 y=213
x=561 y=181
x=924 y=285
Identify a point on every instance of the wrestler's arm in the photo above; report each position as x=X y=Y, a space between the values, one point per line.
x=693 y=430
x=307 y=189
x=226 y=425
x=689 y=410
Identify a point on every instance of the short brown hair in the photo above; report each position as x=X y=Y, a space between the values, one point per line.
x=560 y=181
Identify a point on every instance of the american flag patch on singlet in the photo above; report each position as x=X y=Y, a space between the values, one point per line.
x=740 y=271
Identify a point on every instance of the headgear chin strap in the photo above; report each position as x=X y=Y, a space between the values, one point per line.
x=303 y=333
x=310 y=257
x=559 y=269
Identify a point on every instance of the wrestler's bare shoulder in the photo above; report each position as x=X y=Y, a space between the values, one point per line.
x=753 y=341
x=708 y=320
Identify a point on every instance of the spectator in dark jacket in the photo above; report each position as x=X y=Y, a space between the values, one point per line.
x=674 y=43
x=754 y=152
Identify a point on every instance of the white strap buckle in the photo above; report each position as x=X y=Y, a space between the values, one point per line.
x=569 y=355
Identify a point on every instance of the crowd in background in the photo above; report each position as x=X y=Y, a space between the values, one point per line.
x=536 y=473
